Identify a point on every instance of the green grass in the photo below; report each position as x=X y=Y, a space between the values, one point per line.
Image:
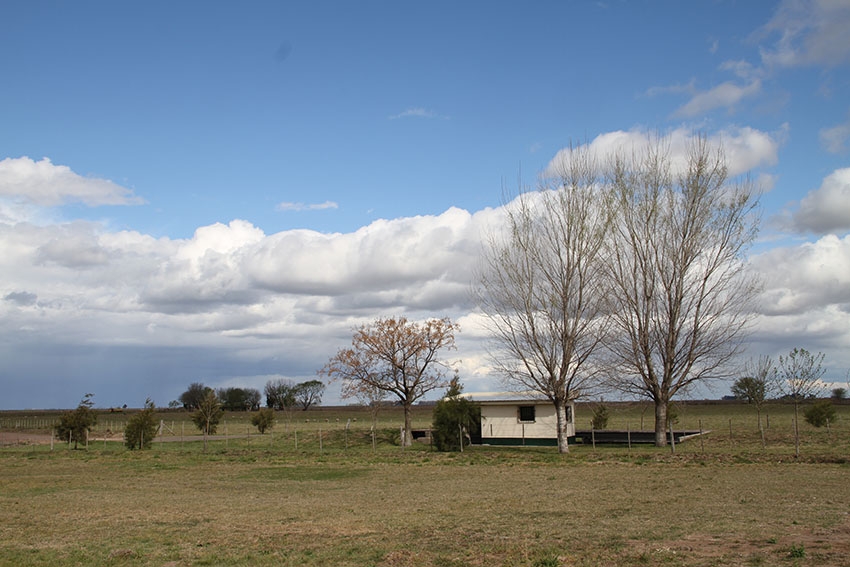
x=261 y=501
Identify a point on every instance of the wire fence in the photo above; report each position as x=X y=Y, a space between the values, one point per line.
x=725 y=431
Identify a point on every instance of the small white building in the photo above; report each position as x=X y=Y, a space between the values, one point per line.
x=522 y=422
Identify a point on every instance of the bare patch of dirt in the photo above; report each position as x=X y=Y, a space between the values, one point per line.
x=23 y=438
x=824 y=546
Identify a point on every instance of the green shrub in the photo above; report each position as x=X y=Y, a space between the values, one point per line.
x=820 y=413
x=75 y=425
x=263 y=420
x=454 y=418
x=672 y=413
x=141 y=428
x=547 y=561
x=600 y=417
x=797 y=551
x=208 y=414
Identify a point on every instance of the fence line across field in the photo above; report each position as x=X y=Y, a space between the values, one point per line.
x=321 y=436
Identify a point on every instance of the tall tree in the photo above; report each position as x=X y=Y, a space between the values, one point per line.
x=280 y=394
x=253 y=398
x=396 y=356
x=681 y=297
x=757 y=384
x=194 y=395
x=799 y=378
x=239 y=399
x=542 y=289
x=309 y=393
x=75 y=425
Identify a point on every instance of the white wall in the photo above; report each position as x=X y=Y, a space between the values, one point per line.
x=500 y=421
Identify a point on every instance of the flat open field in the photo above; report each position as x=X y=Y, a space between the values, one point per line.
x=334 y=500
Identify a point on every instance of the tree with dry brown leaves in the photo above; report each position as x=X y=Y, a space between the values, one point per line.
x=396 y=356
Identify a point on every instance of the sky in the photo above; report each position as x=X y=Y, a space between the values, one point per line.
x=221 y=192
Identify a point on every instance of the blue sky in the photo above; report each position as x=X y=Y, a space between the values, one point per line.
x=219 y=192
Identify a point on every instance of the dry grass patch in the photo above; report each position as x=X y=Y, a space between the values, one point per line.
x=481 y=508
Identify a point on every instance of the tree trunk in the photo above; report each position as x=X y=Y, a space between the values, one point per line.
x=563 y=440
x=408 y=433
x=660 y=423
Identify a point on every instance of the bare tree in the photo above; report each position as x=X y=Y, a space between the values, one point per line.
x=396 y=356
x=757 y=384
x=208 y=414
x=541 y=286
x=799 y=378
x=681 y=298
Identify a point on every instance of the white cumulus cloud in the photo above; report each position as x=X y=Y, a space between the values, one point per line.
x=813 y=275
x=745 y=148
x=43 y=183
x=825 y=209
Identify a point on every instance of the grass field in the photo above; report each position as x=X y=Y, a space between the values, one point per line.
x=724 y=500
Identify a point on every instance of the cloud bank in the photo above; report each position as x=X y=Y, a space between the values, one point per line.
x=45 y=184
x=128 y=315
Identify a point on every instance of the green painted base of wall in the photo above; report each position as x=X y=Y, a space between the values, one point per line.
x=513 y=442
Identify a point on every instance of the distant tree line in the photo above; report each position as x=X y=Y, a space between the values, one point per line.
x=280 y=394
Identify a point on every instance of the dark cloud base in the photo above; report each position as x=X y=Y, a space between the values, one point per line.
x=58 y=377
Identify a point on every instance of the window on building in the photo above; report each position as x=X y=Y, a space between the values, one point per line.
x=526 y=414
